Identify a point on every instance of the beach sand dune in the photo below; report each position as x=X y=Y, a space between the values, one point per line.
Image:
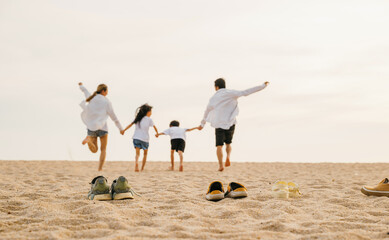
x=48 y=200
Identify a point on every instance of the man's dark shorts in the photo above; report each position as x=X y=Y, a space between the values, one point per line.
x=178 y=144
x=224 y=136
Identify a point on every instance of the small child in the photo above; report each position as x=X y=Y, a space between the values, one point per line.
x=177 y=136
x=141 y=137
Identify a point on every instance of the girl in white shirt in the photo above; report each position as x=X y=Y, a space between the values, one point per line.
x=95 y=115
x=141 y=136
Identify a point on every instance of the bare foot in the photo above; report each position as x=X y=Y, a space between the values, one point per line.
x=221 y=169
x=136 y=168
x=170 y=168
x=181 y=168
x=86 y=140
x=228 y=163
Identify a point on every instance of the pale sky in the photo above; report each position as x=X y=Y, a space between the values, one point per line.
x=326 y=61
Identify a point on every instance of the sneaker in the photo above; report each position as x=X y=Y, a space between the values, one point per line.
x=382 y=189
x=236 y=190
x=215 y=191
x=120 y=189
x=99 y=189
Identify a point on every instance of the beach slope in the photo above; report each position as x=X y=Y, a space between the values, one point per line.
x=48 y=200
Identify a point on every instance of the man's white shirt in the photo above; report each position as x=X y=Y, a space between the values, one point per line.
x=223 y=108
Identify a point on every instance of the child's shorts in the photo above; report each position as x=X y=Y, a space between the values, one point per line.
x=140 y=144
x=178 y=144
x=97 y=133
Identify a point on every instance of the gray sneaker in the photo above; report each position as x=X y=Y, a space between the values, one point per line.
x=120 y=189
x=99 y=189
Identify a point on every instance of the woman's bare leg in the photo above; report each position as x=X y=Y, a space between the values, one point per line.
x=137 y=153
x=144 y=159
x=103 y=149
x=86 y=140
x=181 y=161
x=172 y=160
x=92 y=144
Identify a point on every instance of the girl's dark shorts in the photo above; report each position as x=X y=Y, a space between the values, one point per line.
x=224 y=136
x=178 y=144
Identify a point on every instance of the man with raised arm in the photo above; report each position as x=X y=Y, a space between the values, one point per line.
x=221 y=113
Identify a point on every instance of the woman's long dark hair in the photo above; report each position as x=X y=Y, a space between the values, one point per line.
x=141 y=112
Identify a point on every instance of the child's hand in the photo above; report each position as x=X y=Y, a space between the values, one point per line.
x=80 y=83
x=266 y=83
x=156 y=135
x=122 y=132
x=200 y=127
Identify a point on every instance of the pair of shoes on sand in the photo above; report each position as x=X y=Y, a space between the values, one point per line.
x=282 y=189
x=382 y=189
x=216 y=191
x=120 y=189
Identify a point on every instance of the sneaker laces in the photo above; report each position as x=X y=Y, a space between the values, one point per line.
x=133 y=192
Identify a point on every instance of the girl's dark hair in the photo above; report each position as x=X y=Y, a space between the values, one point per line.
x=220 y=82
x=141 y=112
x=174 y=123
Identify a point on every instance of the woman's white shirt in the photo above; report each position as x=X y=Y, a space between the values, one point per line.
x=142 y=129
x=96 y=112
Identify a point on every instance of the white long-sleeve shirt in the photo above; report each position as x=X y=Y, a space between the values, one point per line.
x=96 y=112
x=223 y=108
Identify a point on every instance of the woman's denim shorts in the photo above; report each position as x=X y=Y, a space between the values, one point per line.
x=140 y=144
x=97 y=133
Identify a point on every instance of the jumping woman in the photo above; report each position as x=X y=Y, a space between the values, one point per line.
x=95 y=115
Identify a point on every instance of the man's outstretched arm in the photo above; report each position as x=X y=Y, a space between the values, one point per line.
x=251 y=90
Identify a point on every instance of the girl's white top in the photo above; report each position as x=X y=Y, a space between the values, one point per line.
x=96 y=112
x=176 y=132
x=223 y=108
x=142 y=129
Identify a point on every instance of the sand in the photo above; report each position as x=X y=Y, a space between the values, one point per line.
x=47 y=200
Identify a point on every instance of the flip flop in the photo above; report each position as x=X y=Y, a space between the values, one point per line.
x=215 y=191
x=293 y=190
x=236 y=190
x=280 y=189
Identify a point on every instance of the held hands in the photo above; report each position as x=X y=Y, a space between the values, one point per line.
x=200 y=127
x=80 y=83
x=266 y=83
x=157 y=135
x=122 y=132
